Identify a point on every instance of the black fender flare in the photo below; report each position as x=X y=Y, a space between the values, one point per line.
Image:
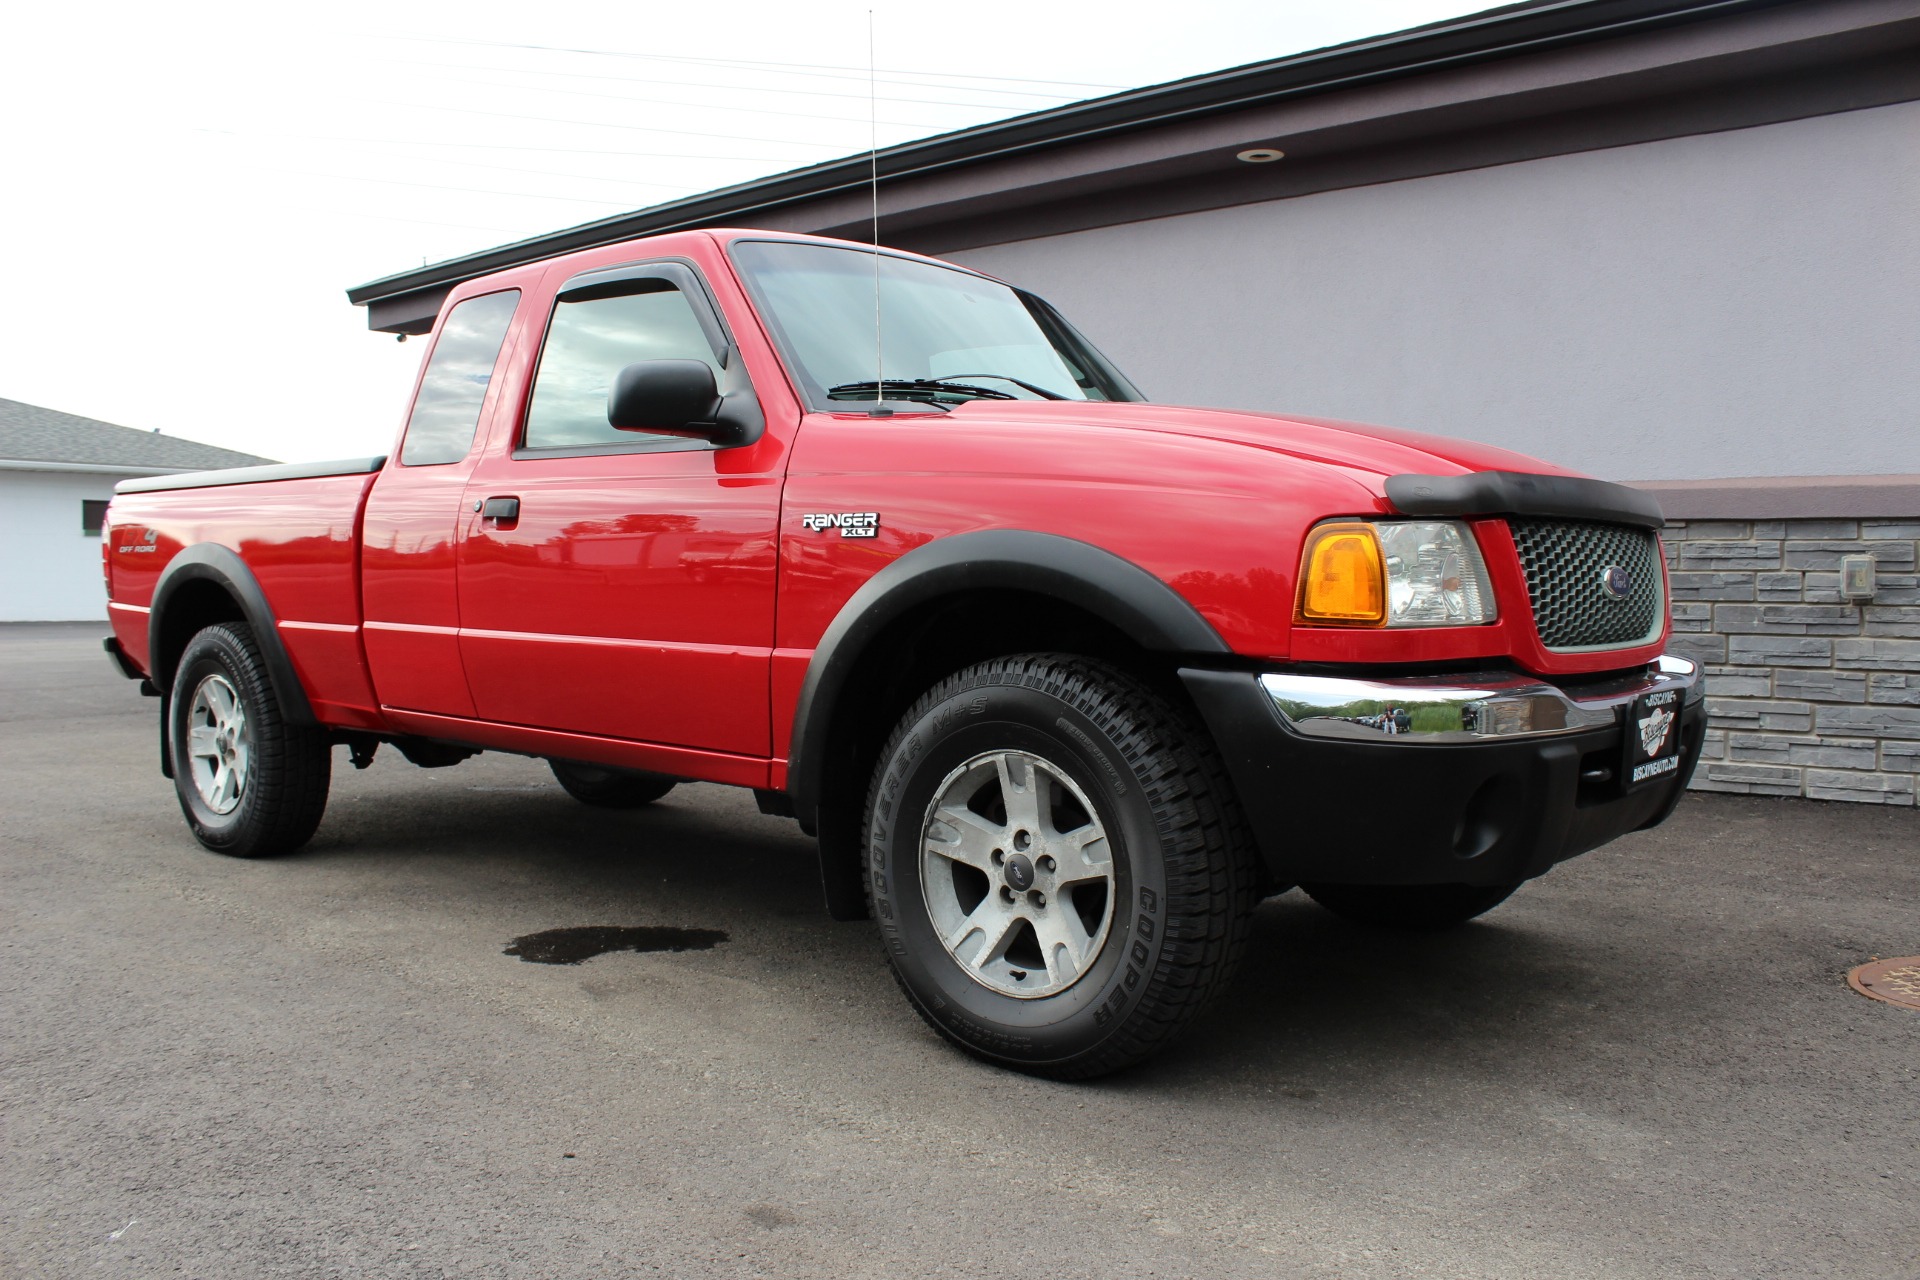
x=1093 y=579
x=211 y=562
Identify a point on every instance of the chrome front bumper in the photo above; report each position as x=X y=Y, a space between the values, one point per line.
x=1496 y=706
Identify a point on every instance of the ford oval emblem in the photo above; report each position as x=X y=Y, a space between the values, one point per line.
x=1617 y=581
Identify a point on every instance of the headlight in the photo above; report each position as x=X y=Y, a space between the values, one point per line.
x=1422 y=573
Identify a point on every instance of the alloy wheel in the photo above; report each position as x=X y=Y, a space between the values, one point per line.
x=219 y=744
x=1017 y=874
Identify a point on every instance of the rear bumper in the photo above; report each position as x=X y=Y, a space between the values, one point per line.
x=1480 y=778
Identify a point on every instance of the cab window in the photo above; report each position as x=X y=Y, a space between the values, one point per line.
x=589 y=341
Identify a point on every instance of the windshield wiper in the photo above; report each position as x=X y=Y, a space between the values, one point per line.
x=1042 y=392
x=924 y=390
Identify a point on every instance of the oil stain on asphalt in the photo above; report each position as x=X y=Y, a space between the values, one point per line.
x=571 y=946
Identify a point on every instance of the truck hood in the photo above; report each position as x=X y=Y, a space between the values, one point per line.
x=1350 y=446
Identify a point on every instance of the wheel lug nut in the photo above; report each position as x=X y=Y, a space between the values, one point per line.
x=1046 y=864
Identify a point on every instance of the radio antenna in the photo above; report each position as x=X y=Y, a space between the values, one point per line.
x=873 y=186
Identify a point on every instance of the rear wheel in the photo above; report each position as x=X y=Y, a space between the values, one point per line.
x=250 y=783
x=1058 y=865
x=610 y=788
x=1414 y=907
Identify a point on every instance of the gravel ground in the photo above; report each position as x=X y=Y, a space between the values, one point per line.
x=1646 y=1064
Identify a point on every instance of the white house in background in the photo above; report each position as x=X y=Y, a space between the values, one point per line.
x=57 y=472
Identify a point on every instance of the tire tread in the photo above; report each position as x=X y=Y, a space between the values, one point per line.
x=293 y=767
x=1212 y=879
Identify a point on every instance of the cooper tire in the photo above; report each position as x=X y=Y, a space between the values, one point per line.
x=250 y=783
x=610 y=788
x=1086 y=748
x=1413 y=908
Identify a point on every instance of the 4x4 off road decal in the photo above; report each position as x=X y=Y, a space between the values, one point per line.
x=851 y=524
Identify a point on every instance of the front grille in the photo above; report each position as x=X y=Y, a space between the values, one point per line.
x=1566 y=564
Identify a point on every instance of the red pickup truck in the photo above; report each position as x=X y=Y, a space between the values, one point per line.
x=1063 y=681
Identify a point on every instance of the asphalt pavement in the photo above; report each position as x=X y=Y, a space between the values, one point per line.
x=1646 y=1064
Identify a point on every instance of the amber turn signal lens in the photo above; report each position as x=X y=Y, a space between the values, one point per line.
x=1341 y=576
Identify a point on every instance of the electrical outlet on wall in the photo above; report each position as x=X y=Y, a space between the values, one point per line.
x=1856 y=578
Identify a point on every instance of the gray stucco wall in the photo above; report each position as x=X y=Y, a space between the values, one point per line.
x=1735 y=304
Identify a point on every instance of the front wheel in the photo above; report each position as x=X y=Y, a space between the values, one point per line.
x=610 y=788
x=1058 y=865
x=1410 y=907
x=250 y=782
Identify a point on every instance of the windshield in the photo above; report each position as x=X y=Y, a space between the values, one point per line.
x=943 y=335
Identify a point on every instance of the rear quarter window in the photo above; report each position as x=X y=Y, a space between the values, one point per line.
x=447 y=411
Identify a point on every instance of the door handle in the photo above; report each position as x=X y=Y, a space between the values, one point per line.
x=499 y=509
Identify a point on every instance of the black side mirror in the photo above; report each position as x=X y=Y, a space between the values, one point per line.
x=672 y=397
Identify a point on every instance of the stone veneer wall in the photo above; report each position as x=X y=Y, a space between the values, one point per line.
x=1807 y=694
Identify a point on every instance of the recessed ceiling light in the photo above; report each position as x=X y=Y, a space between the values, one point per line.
x=1261 y=155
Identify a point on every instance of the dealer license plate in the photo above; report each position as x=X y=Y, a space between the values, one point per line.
x=1652 y=737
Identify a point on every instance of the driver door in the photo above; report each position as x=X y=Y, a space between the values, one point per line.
x=620 y=584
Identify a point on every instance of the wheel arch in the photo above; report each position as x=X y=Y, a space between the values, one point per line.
x=1076 y=596
x=207 y=584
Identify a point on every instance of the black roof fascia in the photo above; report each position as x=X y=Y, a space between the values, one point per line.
x=1497 y=33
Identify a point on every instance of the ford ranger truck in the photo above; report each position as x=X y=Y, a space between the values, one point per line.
x=1063 y=681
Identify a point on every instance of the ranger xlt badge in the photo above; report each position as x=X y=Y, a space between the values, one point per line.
x=851 y=524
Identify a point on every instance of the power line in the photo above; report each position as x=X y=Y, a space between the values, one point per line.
x=435 y=186
x=736 y=88
x=757 y=89
x=478 y=164
x=708 y=106
x=733 y=89
x=605 y=124
x=851 y=73
x=556 y=173
x=419 y=222
x=485 y=146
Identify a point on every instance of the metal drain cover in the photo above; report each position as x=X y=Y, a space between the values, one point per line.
x=1897 y=981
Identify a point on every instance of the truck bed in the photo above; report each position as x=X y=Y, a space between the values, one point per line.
x=296 y=527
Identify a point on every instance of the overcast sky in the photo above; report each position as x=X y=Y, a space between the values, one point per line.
x=189 y=189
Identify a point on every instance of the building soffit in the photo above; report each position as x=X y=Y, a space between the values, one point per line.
x=1345 y=117
x=1764 y=68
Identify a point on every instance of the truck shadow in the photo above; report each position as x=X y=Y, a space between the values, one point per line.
x=748 y=860
x=1312 y=990
x=704 y=851
x=1318 y=999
